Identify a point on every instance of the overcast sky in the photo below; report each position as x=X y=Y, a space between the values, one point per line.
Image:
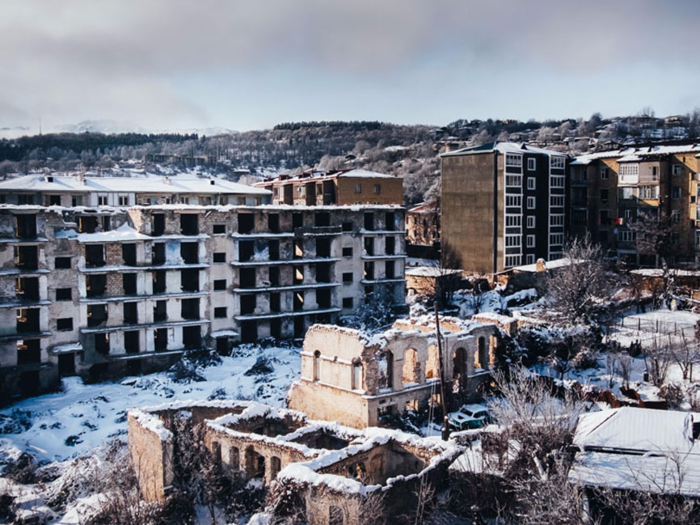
x=170 y=64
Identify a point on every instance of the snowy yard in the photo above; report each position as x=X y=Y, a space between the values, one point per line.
x=71 y=423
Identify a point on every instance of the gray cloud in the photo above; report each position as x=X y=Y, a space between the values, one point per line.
x=80 y=58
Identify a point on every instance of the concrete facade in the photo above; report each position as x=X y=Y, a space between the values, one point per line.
x=356 y=380
x=108 y=291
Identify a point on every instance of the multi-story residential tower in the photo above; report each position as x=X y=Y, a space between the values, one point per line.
x=611 y=189
x=352 y=186
x=503 y=205
x=107 y=291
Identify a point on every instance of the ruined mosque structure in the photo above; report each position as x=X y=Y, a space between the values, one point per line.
x=334 y=467
x=350 y=377
x=102 y=277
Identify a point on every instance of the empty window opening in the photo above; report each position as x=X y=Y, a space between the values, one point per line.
x=273 y=248
x=159 y=281
x=96 y=314
x=64 y=294
x=189 y=280
x=299 y=327
x=276 y=328
x=322 y=218
x=247 y=304
x=274 y=275
x=106 y=223
x=94 y=255
x=220 y=284
x=101 y=343
x=220 y=312
x=390 y=245
x=347 y=227
x=160 y=339
x=390 y=270
x=298 y=249
x=129 y=254
x=249 y=331
x=65 y=324
x=192 y=337
x=129 y=283
x=254 y=464
x=432 y=365
x=323 y=272
x=27 y=257
x=369 y=271
x=297 y=220
x=357 y=375
x=298 y=301
x=369 y=245
x=246 y=222
x=66 y=365
x=273 y=222
x=347 y=302
x=247 y=277
x=132 y=344
x=189 y=251
x=347 y=277
x=27 y=289
x=459 y=366
x=158 y=254
x=25 y=227
x=131 y=314
x=219 y=257
x=160 y=311
x=61 y=263
x=323 y=298
x=298 y=274
x=411 y=368
x=189 y=309
x=218 y=229
x=347 y=251
x=95 y=285
x=87 y=224
x=275 y=303
x=29 y=352
x=275 y=466
x=369 y=221
x=481 y=357
x=390 y=221
x=246 y=250
x=157 y=224
x=189 y=224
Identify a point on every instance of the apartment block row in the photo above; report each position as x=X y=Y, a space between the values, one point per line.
x=108 y=291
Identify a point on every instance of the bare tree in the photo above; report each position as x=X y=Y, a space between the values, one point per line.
x=657 y=358
x=576 y=289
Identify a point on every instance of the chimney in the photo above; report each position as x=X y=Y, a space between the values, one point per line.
x=540 y=265
x=212 y=182
x=81 y=178
x=166 y=180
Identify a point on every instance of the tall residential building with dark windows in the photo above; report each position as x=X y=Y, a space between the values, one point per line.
x=504 y=205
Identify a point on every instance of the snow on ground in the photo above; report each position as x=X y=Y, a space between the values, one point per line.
x=81 y=417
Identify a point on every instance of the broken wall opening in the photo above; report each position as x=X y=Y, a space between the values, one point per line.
x=25 y=227
x=27 y=257
x=87 y=224
x=129 y=254
x=129 y=283
x=159 y=281
x=189 y=280
x=189 y=309
x=192 y=337
x=27 y=288
x=158 y=254
x=96 y=315
x=411 y=368
x=132 y=343
x=157 y=224
x=189 y=252
x=246 y=222
x=29 y=352
x=95 y=284
x=189 y=224
x=94 y=255
x=247 y=277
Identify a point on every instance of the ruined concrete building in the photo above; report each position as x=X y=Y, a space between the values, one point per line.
x=105 y=291
x=349 y=377
x=333 y=467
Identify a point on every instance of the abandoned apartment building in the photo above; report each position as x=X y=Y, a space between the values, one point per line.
x=108 y=291
x=334 y=467
x=349 y=377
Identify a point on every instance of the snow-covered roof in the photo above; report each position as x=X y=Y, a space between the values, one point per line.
x=636 y=429
x=549 y=265
x=424 y=207
x=431 y=271
x=638 y=153
x=503 y=147
x=135 y=184
x=123 y=233
x=325 y=175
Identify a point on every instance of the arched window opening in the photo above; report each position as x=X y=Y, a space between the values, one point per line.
x=357 y=375
x=317 y=365
x=411 y=367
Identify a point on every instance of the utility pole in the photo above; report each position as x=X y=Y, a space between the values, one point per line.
x=443 y=393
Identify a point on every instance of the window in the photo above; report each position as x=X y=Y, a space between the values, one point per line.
x=347 y=226
x=654 y=173
x=64 y=294
x=556 y=201
x=604 y=195
x=358 y=188
x=123 y=200
x=513 y=241
x=556 y=220
x=514 y=201
x=220 y=257
x=513 y=260
x=531 y=164
x=530 y=259
x=377 y=189
x=531 y=222
x=62 y=262
x=514 y=160
x=513 y=220
x=558 y=163
x=531 y=203
x=347 y=251
x=629 y=172
x=65 y=324
x=676 y=192
x=556 y=239
x=676 y=216
x=556 y=181
x=102 y=200
x=347 y=302
x=626 y=236
x=531 y=182
x=347 y=277
x=220 y=284
x=604 y=173
x=530 y=241
x=514 y=180
x=648 y=192
x=220 y=312
x=218 y=229
x=677 y=169
x=604 y=217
